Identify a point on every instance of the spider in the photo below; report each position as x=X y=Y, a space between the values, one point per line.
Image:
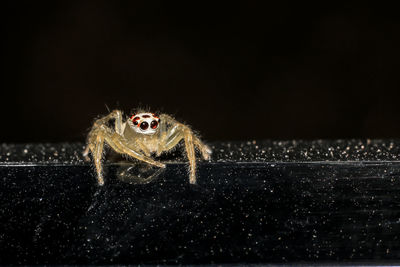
x=142 y=136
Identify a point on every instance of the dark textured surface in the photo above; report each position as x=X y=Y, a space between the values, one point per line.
x=238 y=152
x=255 y=202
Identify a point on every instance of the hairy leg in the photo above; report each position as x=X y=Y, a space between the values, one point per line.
x=97 y=155
x=118 y=143
x=85 y=153
x=115 y=114
x=204 y=149
x=173 y=136
x=170 y=138
x=176 y=134
x=188 y=135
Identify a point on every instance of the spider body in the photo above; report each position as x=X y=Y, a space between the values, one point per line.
x=141 y=136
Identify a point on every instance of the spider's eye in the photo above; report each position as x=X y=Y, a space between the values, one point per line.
x=144 y=125
x=135 y=120
x=153 y=124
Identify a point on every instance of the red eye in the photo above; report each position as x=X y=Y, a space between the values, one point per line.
x=144 y=125
x=153 y=124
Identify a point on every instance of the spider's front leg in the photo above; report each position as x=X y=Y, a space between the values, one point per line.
x=178 y=132
x=204 y=149
x=115 y=114
x=188 y=136
x=171 y=137
x=120 y=145
x=184 y=132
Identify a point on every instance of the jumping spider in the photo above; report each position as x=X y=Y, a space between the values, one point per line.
x=142 y=135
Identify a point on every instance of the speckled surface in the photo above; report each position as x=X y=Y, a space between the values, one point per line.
x=250 y=151
x=255 y=202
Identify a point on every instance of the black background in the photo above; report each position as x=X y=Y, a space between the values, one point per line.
x=233 y=71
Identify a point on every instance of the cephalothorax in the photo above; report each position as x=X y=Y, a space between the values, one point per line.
x=142 y=135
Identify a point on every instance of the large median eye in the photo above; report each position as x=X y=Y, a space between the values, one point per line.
x=153 y=124
x=144 y=125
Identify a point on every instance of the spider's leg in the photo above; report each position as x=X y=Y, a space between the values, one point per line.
x=179 y=131
x=176 y=134
x=95 y=145
x=188 y=135
x=144 y=149
x=119 y=126
x=97 y=155
x=172 y=137
x=85 y=153
x=120 y=145
x=115 y=114
x=204 y=149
